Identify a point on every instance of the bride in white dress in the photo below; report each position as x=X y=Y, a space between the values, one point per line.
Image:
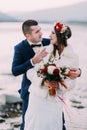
x=44 y=111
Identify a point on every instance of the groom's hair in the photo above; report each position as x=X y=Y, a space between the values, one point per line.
x=26 y=26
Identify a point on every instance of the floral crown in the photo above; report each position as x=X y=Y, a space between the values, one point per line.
x=61 y=28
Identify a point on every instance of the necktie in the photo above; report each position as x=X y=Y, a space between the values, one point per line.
x=35 y=45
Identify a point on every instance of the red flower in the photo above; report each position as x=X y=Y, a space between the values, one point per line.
x=59 y=26
x=44 y=70
x=56 y=71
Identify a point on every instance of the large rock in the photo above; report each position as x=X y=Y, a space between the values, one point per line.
x=9 y=101
x=9 y=97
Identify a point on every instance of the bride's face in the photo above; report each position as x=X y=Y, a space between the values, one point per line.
x=53 y=37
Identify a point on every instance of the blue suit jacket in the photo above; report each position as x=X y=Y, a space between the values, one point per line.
x=21 y=63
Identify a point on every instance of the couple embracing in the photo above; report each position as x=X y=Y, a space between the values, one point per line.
x=49 y=68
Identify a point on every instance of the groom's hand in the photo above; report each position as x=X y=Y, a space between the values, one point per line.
x=39 y=56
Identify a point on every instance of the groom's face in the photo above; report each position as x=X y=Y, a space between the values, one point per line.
x=36 y=35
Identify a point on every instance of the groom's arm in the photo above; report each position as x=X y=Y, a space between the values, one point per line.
x=19 y=66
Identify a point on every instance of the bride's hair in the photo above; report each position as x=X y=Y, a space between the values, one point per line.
x=61 y=38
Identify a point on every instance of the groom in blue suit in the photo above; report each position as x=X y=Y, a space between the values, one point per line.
x=26 y=54
x=25 y=58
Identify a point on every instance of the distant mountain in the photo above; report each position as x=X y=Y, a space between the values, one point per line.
x=72 y=13
x=6 y=18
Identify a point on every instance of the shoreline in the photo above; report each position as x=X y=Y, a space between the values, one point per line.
x=11 y=117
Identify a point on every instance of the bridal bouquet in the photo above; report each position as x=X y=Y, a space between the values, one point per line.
x=52 y=73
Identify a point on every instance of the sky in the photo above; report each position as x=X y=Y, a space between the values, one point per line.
x=33 y=5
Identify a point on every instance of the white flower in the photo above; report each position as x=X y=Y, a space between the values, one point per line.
x=67 y=71
x=51 y=68
x=64 y=28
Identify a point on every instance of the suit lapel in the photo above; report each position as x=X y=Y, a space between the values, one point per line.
x=27 y=50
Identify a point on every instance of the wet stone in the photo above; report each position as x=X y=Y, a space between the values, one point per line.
x=10 y=116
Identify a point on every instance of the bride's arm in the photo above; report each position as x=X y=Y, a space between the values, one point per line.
x=30 y=74
x=71 y=60
x=33 y=77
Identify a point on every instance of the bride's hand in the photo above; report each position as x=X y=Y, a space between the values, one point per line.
x=51 y=84
x=74 y=73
